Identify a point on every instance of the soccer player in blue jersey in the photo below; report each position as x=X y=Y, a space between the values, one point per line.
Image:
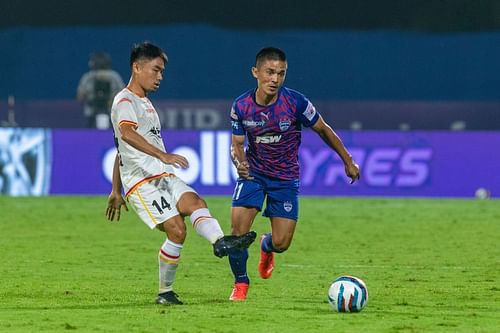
x=271 y=118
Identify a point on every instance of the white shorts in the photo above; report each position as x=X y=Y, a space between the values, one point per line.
x=156 y=201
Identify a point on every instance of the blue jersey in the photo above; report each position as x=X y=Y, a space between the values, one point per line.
x=273 y=131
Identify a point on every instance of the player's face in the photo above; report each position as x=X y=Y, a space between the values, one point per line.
x=270 y=75
x=149 y=73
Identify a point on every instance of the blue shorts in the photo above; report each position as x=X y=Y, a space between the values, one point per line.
x=282 y=195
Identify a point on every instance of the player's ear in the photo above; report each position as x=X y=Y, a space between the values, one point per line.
x=255 y=71
x=136 y=67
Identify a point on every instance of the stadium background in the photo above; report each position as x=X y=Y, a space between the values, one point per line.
x=412 y=86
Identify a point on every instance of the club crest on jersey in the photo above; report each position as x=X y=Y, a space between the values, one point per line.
x=288 y=206
x=284 y=124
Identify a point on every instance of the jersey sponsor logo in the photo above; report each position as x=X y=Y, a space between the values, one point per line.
x=155 y=131
x=254 y=123
x=287 y=205
x=310 y=111
x=268 y=139
x=265 y=115
x=284 y=124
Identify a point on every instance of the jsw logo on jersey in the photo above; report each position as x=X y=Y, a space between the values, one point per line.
x=268 y=139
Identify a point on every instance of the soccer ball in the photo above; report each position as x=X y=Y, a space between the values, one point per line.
x=348 y=294
x=482 y=193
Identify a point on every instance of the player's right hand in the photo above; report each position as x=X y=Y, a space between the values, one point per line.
x=352 y=171
x=115 y=202
x=175 y=160
x=243 y=170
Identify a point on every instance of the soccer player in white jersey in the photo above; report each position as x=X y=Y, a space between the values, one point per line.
x=145 y=171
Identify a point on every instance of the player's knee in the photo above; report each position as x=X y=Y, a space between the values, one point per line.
x=198 y=202
x=189 y=203
x=202 y=204
x=177 y=235
x=175 y=230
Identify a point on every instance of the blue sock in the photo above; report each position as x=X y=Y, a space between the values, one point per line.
x=238 y=261
x=267 y=243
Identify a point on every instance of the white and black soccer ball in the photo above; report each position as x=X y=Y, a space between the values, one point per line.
x=348 y=294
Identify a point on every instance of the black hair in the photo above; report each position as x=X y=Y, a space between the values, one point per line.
x=148 y=51
x=99 y=60
x=269 y=53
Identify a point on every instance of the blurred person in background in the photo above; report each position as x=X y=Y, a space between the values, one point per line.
x=269 y=119
x=97 y=89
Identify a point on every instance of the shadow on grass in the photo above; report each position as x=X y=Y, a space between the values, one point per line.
x=80 y=306
x=124 y=305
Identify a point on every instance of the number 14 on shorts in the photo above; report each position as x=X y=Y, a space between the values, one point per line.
x=162 y=205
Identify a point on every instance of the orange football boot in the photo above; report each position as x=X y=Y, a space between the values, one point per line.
x=240 y=291
x=266 y=262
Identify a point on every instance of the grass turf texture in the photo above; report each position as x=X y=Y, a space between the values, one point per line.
x=430 y=266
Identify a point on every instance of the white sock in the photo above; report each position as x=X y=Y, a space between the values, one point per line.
x=205 y=225
x=168 y=259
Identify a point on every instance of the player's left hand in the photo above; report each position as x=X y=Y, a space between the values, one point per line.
x=115 y=202
x=352 y=171
x=177 y=161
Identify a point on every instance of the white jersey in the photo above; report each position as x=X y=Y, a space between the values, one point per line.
x=137 y=167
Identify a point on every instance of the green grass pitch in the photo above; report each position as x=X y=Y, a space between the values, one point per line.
x=430 y=266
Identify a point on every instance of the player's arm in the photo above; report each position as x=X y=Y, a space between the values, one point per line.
x=115 y=199
x=333 y=141
x=130 y=136
x=238 y=155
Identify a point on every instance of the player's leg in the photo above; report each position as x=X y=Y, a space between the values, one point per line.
x=189 y=203
x=281 y=236
x=282 y=209
x=168 y=258
x=154 y=205
x=277 y=241
x=247 y=202
x=242 y=219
